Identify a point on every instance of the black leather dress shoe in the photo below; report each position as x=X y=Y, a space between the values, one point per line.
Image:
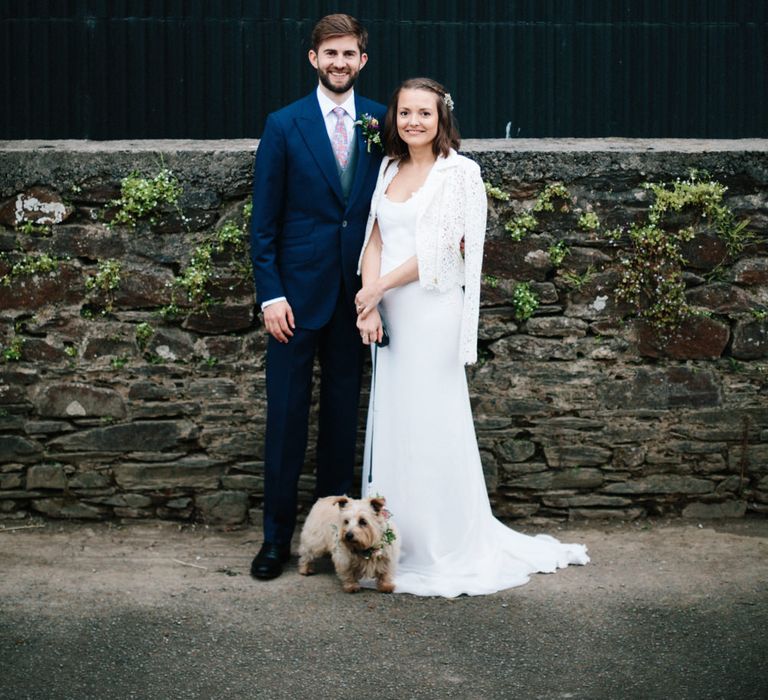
x=268 y=563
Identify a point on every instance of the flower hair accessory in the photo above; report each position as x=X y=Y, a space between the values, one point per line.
x=448 y=101
x=371 y=129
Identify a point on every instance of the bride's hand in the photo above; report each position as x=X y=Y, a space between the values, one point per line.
x=370 y=327
x=367 y=299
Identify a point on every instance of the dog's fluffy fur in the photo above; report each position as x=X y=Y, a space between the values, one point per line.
x=353 y=533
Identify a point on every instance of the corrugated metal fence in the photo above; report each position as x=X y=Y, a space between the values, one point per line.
x=103 y=69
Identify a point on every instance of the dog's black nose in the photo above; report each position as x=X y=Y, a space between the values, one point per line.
x=349 y=537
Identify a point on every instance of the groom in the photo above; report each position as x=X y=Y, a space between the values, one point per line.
x=312 y=187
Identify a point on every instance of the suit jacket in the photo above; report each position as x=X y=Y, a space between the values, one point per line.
x=305 y=239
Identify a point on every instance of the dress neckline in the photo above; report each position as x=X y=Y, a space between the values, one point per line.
x=416 y=192
x=405 y=201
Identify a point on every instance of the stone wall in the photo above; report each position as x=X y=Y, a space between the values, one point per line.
x=581 y=411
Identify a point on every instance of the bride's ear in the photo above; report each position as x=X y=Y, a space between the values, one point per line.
x=378 y=503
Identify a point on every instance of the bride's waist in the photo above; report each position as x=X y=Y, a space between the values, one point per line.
x=390 y=262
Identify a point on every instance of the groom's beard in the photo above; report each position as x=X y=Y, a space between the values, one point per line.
x=340 y=89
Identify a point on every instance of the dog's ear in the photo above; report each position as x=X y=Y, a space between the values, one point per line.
x=378 y=503
x=340 y=501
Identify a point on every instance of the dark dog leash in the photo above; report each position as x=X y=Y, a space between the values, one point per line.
x=373 y=411
x=384 y=342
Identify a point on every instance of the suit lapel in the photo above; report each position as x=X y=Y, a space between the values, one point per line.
x=364 y=158
x=311 y=126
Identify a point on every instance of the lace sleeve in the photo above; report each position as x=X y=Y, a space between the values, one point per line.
x=475 y=215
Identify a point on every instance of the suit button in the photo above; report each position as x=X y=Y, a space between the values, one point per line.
x=343 y=224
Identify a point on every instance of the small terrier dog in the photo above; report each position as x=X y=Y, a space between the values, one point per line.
x=359 y=536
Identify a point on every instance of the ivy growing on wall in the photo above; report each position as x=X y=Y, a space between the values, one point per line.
x=652 y=263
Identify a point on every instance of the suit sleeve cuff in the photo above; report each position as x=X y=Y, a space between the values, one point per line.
x=266 y=303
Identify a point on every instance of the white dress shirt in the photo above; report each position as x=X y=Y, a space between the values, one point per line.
x=327 y=105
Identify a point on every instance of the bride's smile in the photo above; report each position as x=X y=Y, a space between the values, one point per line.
x=417 y=118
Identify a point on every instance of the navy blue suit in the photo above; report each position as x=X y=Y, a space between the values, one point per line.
x=305 y=245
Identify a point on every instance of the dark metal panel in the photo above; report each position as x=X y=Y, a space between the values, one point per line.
x=190 y=68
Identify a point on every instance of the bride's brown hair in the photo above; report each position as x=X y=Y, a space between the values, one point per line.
x=447 y=132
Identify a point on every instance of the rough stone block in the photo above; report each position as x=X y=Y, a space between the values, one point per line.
x=524 y=261
x=17 y=448
x=37 y=205
x=90 y=481
x=90 y=242
x=171 y=344
x=628 y=457
x=596 y=298
x=10 y=481
x=151 y=391
x=750 y=340
x=721 y=298
x=674 y=387
x=704 y=252
x=606 y=513
x=77 y=400
x=753 y=457
x=557 y=327
x=212 y=389
x=64 y=285
x=46 y=476
x=134 y=513
x=68 y=509
x=222 y=318
x=661 y=483
x=99 y=347
x=243 y=482
x=142 y=288
x=223 y=507
x=585 y=501
x=124 y=500
x=505 y=509
x=577 y=478
x=698 y=338
x=707 y=511
x=528 y=348
x=496 y=323
x=751 y=271
x=515 y=450
x=179 y=503
x=155 y=436
x=510 y=470
x=198 y=473
x=47 y=427
x=40 y=351
x=577 y=455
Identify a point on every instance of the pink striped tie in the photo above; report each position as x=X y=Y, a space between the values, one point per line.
x=340 y=141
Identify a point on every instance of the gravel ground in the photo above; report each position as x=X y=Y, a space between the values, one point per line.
x=666 y=609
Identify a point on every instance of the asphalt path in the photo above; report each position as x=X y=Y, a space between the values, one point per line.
x=666 y=609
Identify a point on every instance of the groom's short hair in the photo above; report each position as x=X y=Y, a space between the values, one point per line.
x=339 y=25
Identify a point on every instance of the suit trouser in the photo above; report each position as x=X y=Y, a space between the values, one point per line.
x=289 y=389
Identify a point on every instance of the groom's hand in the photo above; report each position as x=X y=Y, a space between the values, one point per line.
x=278 y=320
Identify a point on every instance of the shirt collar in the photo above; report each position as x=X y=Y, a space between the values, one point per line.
x=327 y=105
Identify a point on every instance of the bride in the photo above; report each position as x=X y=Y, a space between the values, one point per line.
x=424 y=242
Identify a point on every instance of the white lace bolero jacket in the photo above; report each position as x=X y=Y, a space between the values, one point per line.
x=453 y=206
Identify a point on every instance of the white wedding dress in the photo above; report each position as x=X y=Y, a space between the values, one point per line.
x=425 y=457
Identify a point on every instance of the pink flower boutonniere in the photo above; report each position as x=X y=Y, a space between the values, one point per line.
x=371 y=130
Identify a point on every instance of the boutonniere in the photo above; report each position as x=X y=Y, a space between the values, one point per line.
x=370 y=128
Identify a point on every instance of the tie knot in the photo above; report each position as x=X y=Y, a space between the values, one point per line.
x=339 y=112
